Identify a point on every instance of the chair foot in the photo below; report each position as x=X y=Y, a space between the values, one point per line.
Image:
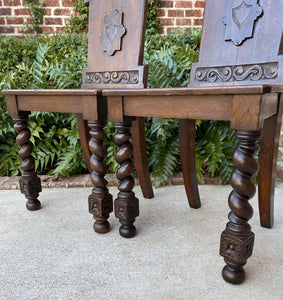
x=233 y=275
x=101 y=226
x=127 y=230
x=33 y=205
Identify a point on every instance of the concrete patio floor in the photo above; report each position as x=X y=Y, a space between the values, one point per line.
x=55 y=254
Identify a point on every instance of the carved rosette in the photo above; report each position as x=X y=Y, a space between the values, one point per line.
x=238 y=73
x=100 y=201
x=124 y=77
x=126 y=204
x=30 y=184
x=237 y=240
x=240 y=21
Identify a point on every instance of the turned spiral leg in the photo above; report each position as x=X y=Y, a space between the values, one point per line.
x=30 y=184
x=237 y=240
x=126 y=204
x=100 y=201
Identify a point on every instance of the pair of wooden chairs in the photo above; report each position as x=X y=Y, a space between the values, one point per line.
x=239 y=77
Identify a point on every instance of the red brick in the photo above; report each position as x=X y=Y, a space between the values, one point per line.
x=51 y=3
x=161 y=12
x=170 y=29
x=184 y=4
x=200 y=4
x=5 y=29
x=67 y=3
x=11 y=183
x=60 y=182
x=176 y=13
x=15 y=20
x=76 y=181
x=5 y=11
x=59 y=29
x=167 y=22
x=177 y=179
x=62 y=12
x=22 y=12
x=46 y=30
x=53 y=21
x=12 y=2
x=183 y=22
x=166 y=4
x=47 y=12
x=194 y=13
x=198 y=22
x=2 y=21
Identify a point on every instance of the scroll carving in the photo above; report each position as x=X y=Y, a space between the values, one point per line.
x=131 y=77
x=237 y=73
x=240 y=21
x=112 y=31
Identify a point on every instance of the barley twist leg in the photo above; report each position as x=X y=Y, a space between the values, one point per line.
x=100 y=201
x=126 y=204
x=30 y=184
x=237 y=240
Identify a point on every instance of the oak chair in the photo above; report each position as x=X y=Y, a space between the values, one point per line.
x=239 y=77
x=106 y=19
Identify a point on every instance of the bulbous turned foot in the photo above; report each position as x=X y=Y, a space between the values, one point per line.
x=34 y=205
x=127 y=231
x=101 y=227
x=233 y=276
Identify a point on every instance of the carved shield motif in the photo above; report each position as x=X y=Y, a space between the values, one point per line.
x=240 y=21
x=112 y=31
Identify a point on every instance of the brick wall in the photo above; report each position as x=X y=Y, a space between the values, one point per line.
x=13 y=15
x=172 y=14
x=180 y=13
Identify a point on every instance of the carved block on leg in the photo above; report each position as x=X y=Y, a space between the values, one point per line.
x=100 y=204
x=31 y=187
x=126 y=210
x=100 y=201
x=236 y=251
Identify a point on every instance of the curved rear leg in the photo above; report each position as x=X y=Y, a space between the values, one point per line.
x=84 y=139
x=267 y=167
x=140 y=157
x=187 y=152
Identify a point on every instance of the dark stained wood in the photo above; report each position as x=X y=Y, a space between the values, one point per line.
x=187 y=152
x=126 y=204
x=140 y=157
x=84 y=138
x=114 y=61
x=249 y=111
x=267 y=167
x=180 y=107
x=189 y=91
x=30 y=184
x=238 y=77
x=237 y=240
x=100 y=201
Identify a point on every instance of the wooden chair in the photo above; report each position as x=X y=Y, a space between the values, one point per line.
x=239 y=77
x=107 y=26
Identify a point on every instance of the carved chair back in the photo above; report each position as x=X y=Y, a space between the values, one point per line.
x=115 y=46
x=242 y=43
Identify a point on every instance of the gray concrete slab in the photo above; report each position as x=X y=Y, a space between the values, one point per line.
x=54 y=253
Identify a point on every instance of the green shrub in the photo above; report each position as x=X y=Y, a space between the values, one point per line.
x=57 y=62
